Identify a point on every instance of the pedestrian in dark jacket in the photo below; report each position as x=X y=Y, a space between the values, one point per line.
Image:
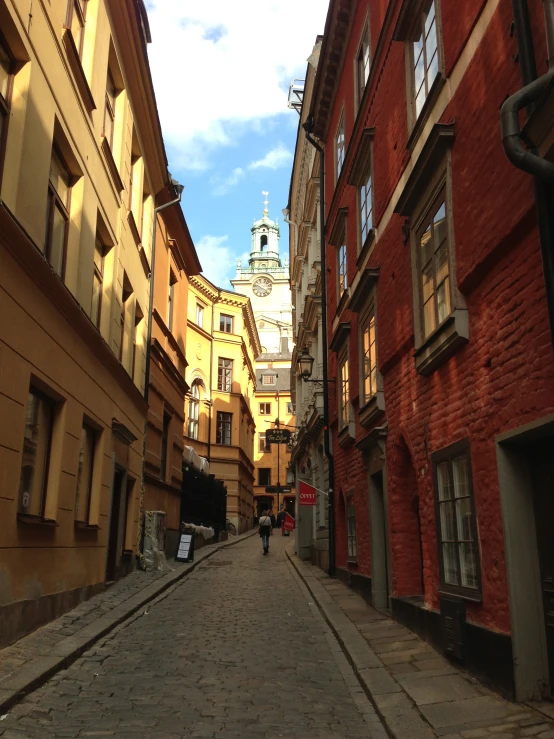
x=265 y=530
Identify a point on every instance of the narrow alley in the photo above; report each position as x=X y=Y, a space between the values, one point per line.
x=237 y=649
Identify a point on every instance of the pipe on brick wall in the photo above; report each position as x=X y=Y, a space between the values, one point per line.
x=528 y=160
x=308 y=128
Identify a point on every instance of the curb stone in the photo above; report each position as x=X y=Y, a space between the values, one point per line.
x=398 y=713
x=38 y=671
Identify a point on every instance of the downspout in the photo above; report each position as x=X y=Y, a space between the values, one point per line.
x=308 y=128
x=179 y=190
x=527 y=159
x=211 y=376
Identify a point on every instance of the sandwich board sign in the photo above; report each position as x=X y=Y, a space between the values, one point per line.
x=185 y=550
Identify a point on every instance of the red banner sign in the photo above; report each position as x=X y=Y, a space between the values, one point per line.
x=306 y=494
x=288 y=523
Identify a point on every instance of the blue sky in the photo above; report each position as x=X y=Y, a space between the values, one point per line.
x=227 y=129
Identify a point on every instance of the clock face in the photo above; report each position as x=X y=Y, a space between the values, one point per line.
x=262 y=287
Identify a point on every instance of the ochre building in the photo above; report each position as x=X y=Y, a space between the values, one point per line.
x=222 y=344
x=82 y=166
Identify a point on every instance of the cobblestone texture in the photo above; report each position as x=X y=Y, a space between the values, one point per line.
x=236 y=650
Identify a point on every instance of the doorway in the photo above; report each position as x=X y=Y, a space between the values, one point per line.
x=118 y=518
x=542 y=466
x=379 y=553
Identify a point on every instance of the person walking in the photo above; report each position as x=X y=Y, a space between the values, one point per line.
x=281 y=520
x=265 y=530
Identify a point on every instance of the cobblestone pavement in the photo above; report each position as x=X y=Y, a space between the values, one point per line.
x=235 y=650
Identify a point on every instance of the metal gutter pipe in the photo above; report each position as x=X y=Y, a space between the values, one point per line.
x=548 y=8
x=308 y=128
x=526 y=159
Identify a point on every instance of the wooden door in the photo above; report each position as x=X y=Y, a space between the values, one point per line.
x=543 y=478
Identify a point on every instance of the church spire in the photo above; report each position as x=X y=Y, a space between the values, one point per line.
x=265 y=202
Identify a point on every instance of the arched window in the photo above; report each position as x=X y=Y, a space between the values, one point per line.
x=263 y=242
x=194 y=408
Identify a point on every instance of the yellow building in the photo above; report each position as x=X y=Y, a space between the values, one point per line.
x=222 y=344
x=82 y=165
x=266 y=282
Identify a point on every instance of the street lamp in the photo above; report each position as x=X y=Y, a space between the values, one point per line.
x=305 y=364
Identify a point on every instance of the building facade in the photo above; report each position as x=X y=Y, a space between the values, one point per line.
x=220 y=427
x=266 y=282
x=442 y=419
x=175 y=262
x=308 y=458
x=82 y=165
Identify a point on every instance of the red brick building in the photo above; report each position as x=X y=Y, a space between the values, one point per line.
x=443 y=419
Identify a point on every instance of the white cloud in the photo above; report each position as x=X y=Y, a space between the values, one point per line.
x=221 y=68
x=217 y=259
x=278 y=157
x=223 y=186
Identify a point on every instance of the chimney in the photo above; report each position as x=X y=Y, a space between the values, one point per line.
x=284 y=344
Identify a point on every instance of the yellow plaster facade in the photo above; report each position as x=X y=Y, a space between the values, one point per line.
x=222 y=344
x=82 y=164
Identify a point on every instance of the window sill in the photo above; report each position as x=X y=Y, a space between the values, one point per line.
x=352 y=560
x=366 y=248
x=372 y=410
x=112 y=166
x=29 y=518
x=443 y=342
x=428 y=106
x=84 y=526
x=346 y=435
x=78 y=71
x=449 y=591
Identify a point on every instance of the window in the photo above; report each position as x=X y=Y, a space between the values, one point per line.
x=171 y=300
x=425 y=57
x=126 y=305
x=263 y=242
x=97 y=281
x=455 y=515
x=342 y=270
x=351 y=529
x=223 y=430
x=433 y=265
x=165 y=441
x=290 y=409
x=199 y=315
x=265 y=409
x=36 y=453
x=369 y=359
x=6 y=84
x=194 y=408
x=84 y=473
x=339 y=146
x=263 y=446
x=225 y=375
x=57 y=218
x=268 y=379
x=362 y=64
x=136 y=333
x=343 y=391
x=264 y=476
x=109 y=110
x=226 y=323
x=76 y=15
x=366 y=206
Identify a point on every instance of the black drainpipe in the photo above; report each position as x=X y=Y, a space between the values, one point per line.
x=308 y=128
x=527 y=159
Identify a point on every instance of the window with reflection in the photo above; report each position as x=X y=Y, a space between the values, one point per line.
x=434 y=267
x=425 y=57
x=57 y=220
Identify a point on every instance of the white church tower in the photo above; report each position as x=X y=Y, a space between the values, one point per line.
x=266 y=283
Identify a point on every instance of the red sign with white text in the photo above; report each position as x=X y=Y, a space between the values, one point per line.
x=306 y=494
x=288 y=523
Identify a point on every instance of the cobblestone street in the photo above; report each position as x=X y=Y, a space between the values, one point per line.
x=237 y=649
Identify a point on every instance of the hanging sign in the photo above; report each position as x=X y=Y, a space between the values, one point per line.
x=288 y=523
x=277 y=436
x=306 y=494
x=185 y=550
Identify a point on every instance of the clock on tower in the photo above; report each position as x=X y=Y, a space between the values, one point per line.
x=262 y=287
